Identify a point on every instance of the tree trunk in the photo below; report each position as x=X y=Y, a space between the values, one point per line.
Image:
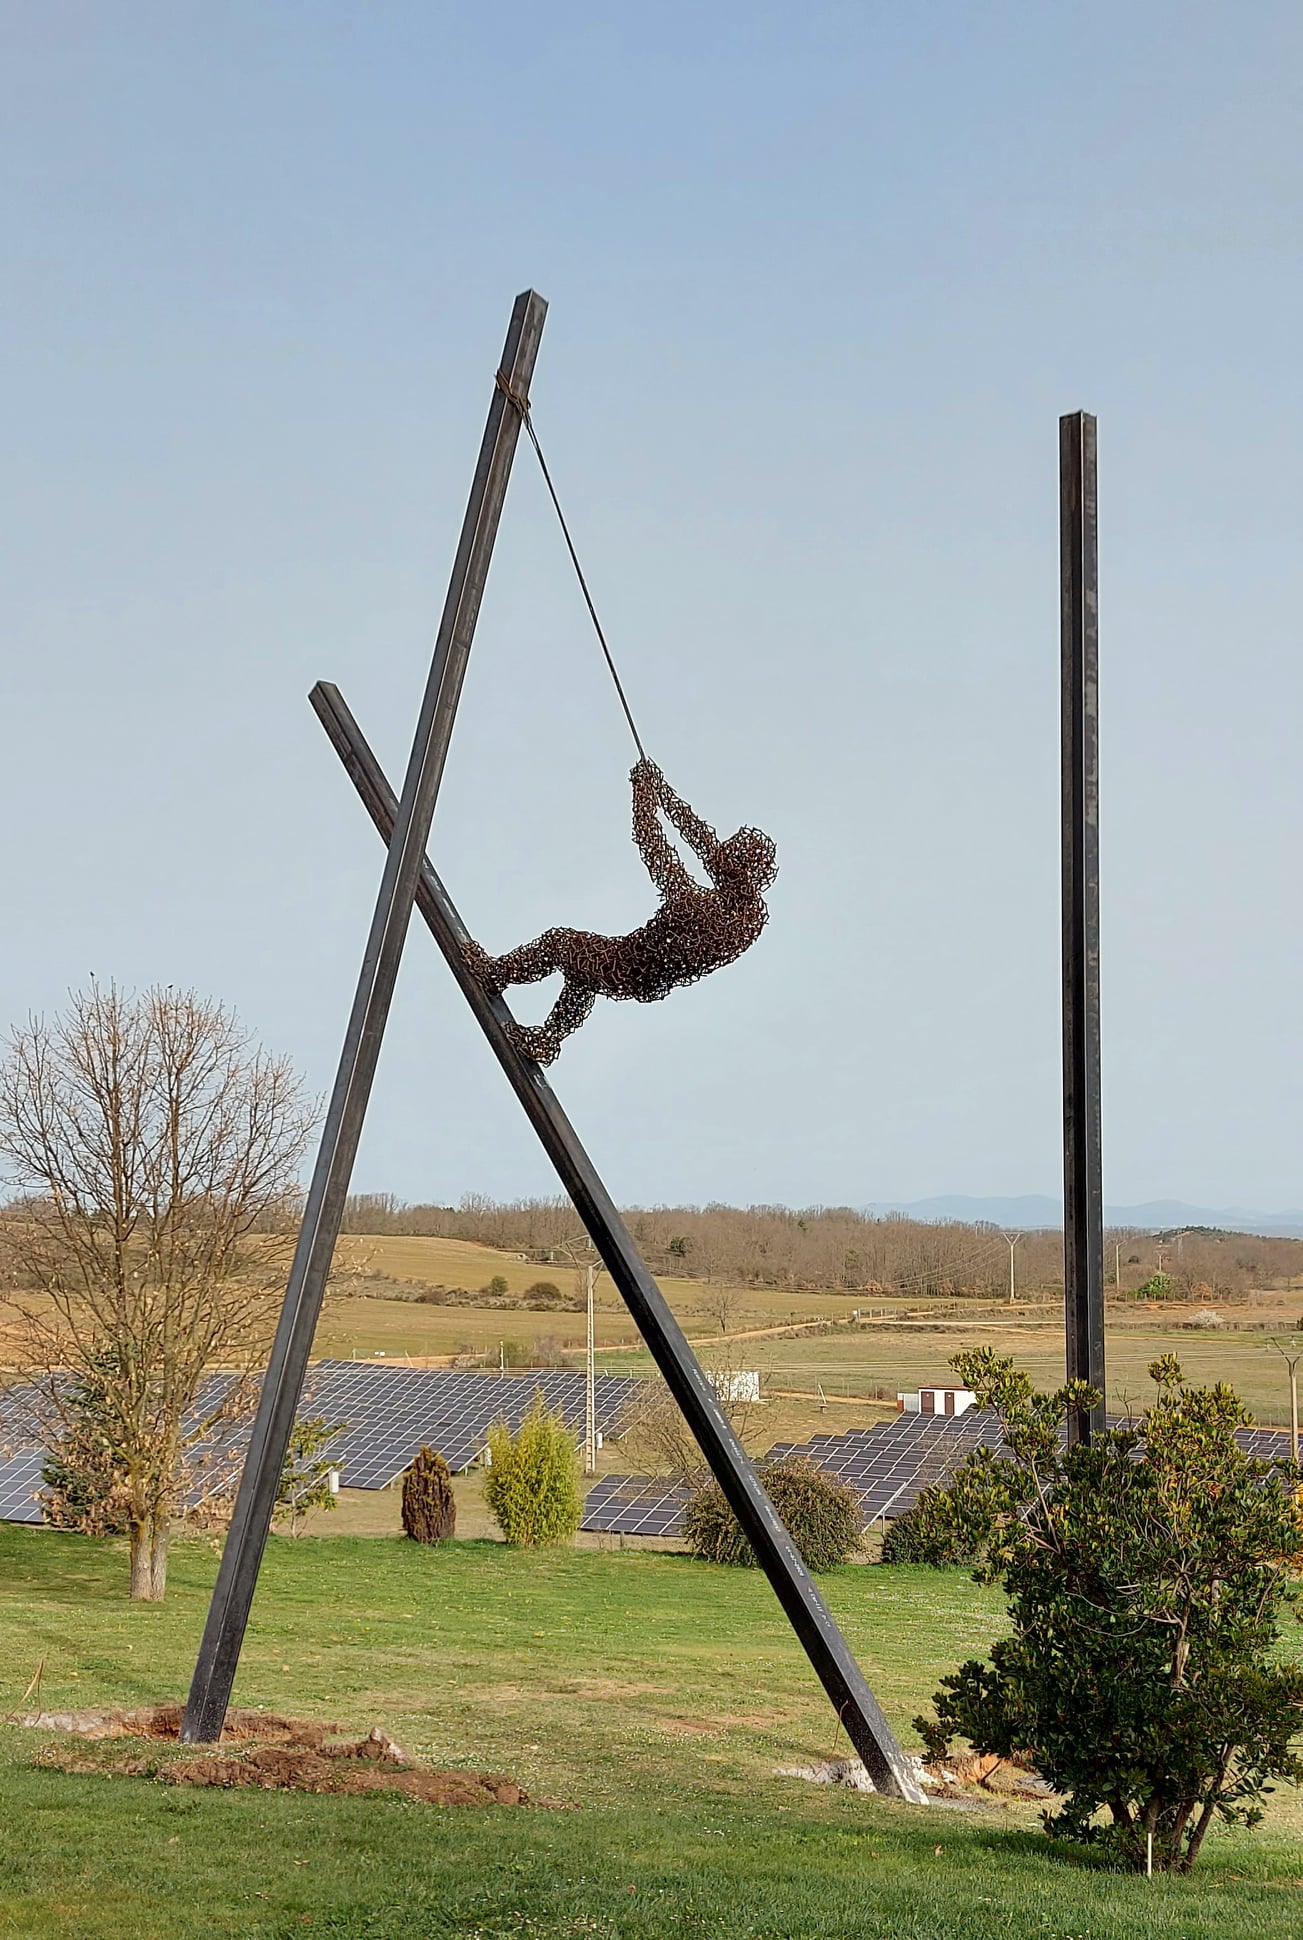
x=142 y=1575
x=148 y=1560
x=158 y=1560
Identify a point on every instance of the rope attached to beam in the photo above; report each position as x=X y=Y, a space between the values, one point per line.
x=521 y=406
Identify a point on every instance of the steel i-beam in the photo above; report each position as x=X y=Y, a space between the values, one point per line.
x=806 y=1611
x=1083 y=1194
x=228 y=1613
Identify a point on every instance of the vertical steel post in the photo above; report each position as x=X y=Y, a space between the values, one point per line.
x=806 y=1611
x=1083 y=1198
x=228 y=1613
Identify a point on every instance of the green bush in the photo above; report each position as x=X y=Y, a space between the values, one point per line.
x=532 y=1484
x=1159 y=1286
x=543 y=1290
x=497 y=1285
x=820 y=1513
x=1146 y=1574
x=305 y=1477
x=429 y=1506
x=929 y=1533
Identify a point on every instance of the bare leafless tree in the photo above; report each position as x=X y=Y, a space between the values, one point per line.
x=720 y=1305
x=156 y=1150
x=658 y=1439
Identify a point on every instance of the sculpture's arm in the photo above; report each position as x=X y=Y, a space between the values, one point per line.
x=697 y=834
x=657 y=851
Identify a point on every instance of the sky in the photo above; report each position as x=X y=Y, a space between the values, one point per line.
x=821 y=281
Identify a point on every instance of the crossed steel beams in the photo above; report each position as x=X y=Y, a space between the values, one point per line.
x=409 y=880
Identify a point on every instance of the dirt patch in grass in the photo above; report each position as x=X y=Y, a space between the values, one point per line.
x=164 y=1721
x=260 y=1749
x=344 y=1768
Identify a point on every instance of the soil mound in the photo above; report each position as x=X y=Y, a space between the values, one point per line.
x=260 y=1748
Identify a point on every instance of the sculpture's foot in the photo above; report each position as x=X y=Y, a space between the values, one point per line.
x=481 y=966
x=534 y=1041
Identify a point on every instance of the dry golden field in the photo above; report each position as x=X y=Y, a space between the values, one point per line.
x=817 y=1381
x=899 y=1343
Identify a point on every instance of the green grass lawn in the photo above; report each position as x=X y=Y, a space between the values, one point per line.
x=652 y=1693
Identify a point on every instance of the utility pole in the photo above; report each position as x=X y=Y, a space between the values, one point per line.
x=590 y=1385
x=1011 y=1240
x=1117 y=1266
x=1291 y=1353
x=582 y=1255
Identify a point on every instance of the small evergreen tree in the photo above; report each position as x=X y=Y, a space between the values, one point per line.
x=305 y=1478
x=429 y=1506
x=532 y=1485
x=84 y=1476
x=820 y=1512
x=1146 y=1574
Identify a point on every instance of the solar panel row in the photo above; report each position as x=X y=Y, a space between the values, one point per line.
x=887 y=1465
x=389 y=1412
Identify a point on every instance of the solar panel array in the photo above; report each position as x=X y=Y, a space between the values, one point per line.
x=20 y=1460
x=389 y=1413
x=393 y=1411
x=887 y=1465
x=635 y=1505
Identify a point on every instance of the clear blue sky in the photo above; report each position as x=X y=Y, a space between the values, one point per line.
x=822 y=279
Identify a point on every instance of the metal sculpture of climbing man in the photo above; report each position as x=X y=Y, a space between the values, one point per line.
x=697 y=929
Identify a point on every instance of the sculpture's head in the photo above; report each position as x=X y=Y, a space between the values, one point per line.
x=747 y=862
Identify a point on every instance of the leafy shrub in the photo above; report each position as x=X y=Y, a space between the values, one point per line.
x=305 y=1476
x=543 y=1290
x=820 y=1513
x=497 y=1285
x=429 y=1506
x=1146 y=1574
x=532 y=1484
x=929 y=1533
x=1159 y=1286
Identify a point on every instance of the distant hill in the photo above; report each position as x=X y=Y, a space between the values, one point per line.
x=1036 y=1211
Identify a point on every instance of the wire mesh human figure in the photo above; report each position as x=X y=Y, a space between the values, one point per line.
x=697 y=929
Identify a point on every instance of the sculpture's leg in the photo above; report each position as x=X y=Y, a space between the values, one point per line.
x=543 y=1042
x=528 y=964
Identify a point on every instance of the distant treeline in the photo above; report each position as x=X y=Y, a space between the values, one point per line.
x=835 y=1248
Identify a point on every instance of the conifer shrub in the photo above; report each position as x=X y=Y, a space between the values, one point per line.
x=429 y=1506
x=532 y=1485
x=820 y=1512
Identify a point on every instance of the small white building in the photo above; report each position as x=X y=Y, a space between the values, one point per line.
x=737 y=1387
x=937 y=1401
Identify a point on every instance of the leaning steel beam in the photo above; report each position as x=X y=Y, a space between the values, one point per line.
x=806 y=1610
x=228 y=1614
x=1083 y=1194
